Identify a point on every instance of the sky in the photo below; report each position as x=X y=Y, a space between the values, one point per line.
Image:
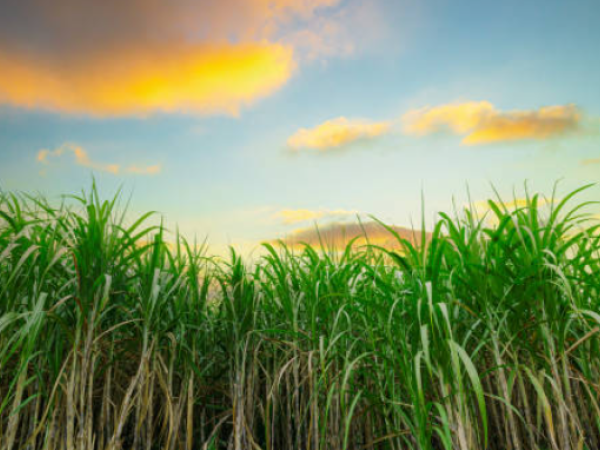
x=243 y=121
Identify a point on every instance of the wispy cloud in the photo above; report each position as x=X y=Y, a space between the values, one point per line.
x=81 y=158
x=334 y=34
x=481 y=123
x=137 y=57
x=80 y=155
x=336 y=133
x=294 y=216
x=144 y=170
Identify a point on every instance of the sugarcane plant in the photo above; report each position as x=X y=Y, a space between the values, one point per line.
x=116 y=333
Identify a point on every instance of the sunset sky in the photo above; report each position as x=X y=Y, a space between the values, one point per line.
x=248 y=120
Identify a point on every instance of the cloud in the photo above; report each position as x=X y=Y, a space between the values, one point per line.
x=142 y=56
x=483 y=210
x=478 y=123
x=204 y=79
x=336 y=236
x=590 y=161
x=336 y=133
x=82 y=158
x=294 y=216
x=147 y=170
x=80 y=155
x=481 y=123
x=516 y=203
x=322 y=39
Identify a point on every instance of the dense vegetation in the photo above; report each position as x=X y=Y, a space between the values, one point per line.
x=115 y=334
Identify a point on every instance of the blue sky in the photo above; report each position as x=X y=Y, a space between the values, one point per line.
x=224 y=166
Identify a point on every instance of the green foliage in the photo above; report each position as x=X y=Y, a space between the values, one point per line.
x=116 y=334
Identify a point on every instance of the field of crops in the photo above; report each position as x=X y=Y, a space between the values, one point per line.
x=114 y=334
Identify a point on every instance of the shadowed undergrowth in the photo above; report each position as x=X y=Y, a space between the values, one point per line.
x=484 y=336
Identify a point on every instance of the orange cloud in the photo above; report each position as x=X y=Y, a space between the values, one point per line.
x=207 y=79
x=82 y=158
x=483 y=207
x=482 y=123
x=293 y=216
x=483 y=210
x=336 y=133
x=138 y=57
x=336 y=236
x=590 y=161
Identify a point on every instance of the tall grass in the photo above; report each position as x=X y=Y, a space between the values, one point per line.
x=115 y=335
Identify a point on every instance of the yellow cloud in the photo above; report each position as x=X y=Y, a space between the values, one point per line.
x=136 y=57
x=482 y=208
x=336 y=133
x=510 y=205
x=82 y=159
x=206 y=79
x=482 y=123
x=80 y=155
x=335 y=236
x=459 y=118
x=148 y=170
x=590 y=161
x=293 y=216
